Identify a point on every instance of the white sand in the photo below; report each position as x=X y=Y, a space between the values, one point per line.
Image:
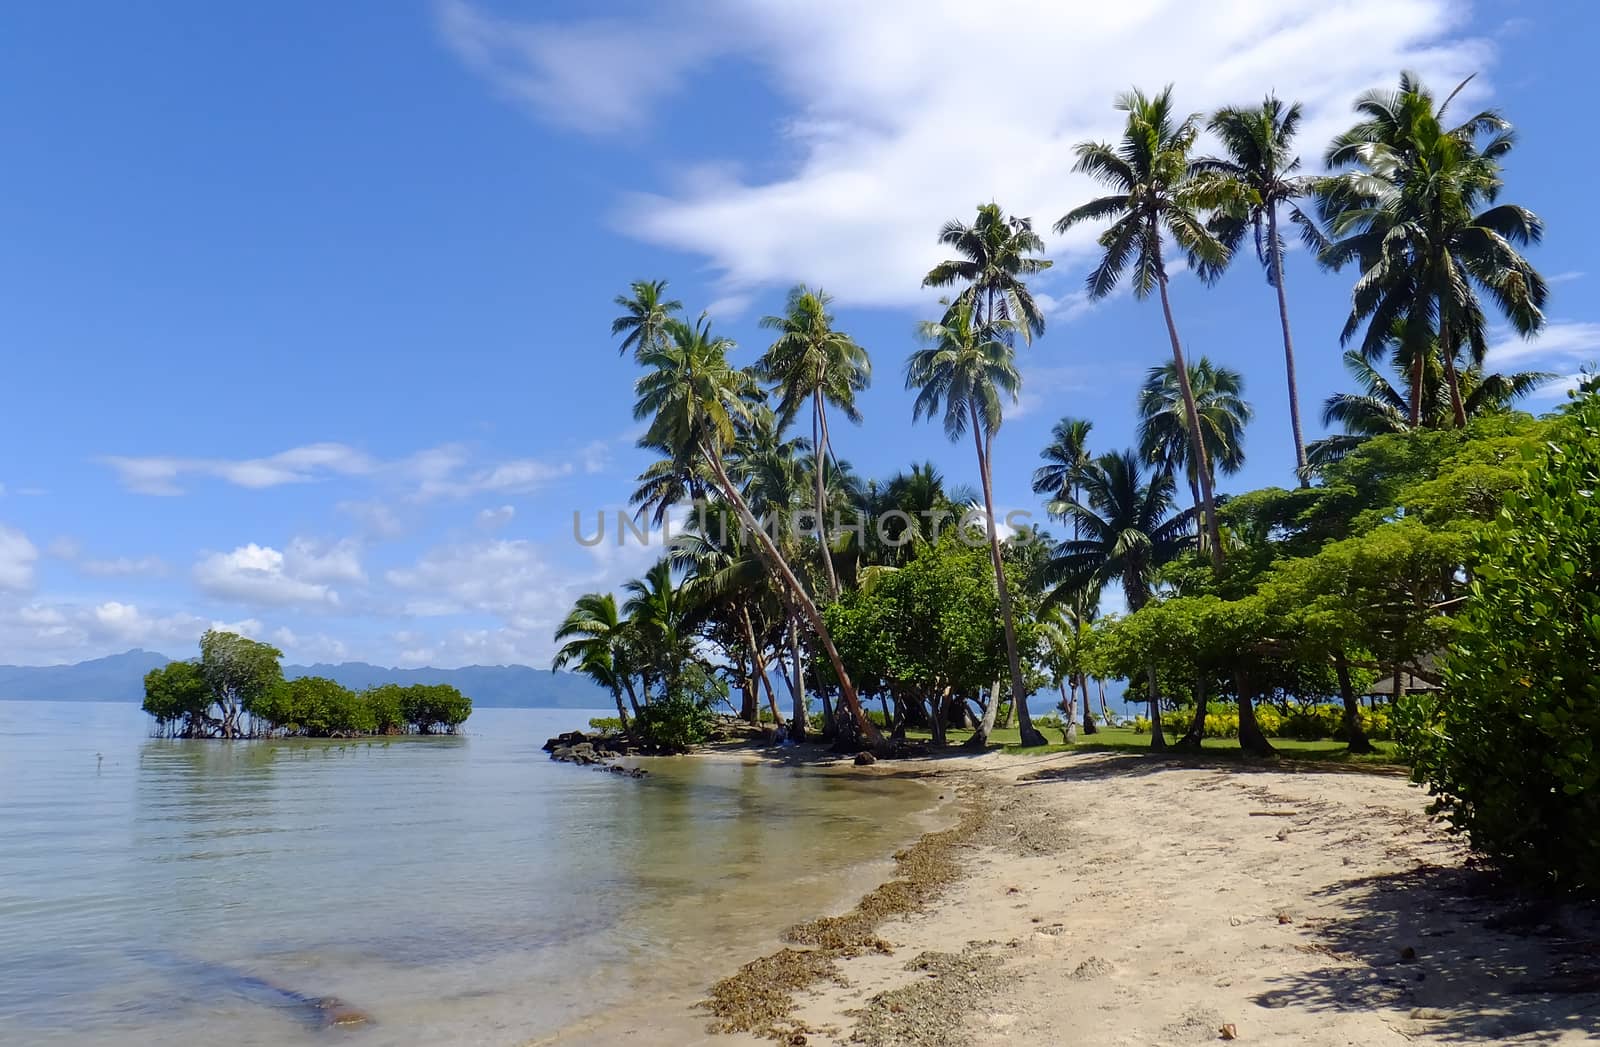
x=1312 y=908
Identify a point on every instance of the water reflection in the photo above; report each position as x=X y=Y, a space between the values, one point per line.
x=461 y=889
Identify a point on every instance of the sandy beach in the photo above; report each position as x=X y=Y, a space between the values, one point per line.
x=1104 y=899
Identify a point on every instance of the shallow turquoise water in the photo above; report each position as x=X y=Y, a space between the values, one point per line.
x=458 y=890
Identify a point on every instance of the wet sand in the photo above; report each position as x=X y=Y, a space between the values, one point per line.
x=1112 y=900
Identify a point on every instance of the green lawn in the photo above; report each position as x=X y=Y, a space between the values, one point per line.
x=1123 y=739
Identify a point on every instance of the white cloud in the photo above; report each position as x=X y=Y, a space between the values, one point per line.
x=494 y=519
x=508 y=578
x=315 y=561
x=257 y=574
x=17 y=557
x=160 y=475
x=1561 y=343
x=318 y=647
x=893 y=128
x=63 y=547
x=595 y=76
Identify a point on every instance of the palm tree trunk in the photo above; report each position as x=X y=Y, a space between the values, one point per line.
x=1019 y=694
x=819 y=447
x=622 y=713
x=760 y=663
x=1089 y=726
x=633 y=699
x=1105 y=709
x=1288 y=347
x=1069 y=706
x=1197 y=446
x=801 y=721
x=1418 y=376
x=819 y=628
x=1458 y=410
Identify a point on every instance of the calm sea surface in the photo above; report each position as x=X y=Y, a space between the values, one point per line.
x=457 y=890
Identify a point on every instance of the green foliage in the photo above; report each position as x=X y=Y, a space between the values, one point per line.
x=434 y=708
x=315 y=708
x=1509 y=749
x=177 y=696
x=682 y=717
x=386 y=705
x=605 y=724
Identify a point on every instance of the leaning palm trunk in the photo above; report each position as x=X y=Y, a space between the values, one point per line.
x=819 y=445
x=1288 y=348
x=759 y=662
x=1197 y=447
x=980 y=737
x=869 y=730
x=1089 y=726
x=1019 y=694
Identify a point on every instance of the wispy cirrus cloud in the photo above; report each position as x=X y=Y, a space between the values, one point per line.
x=891 y=128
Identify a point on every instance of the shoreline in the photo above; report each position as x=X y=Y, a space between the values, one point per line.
x=1137 y=901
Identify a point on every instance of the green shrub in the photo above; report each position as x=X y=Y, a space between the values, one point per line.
x=384 y=707
x=434 y=708
x=605 y=724
x=1509 y=748
x=682 y=717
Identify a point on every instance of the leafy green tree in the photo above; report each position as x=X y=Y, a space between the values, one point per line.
x=996 y=251
x=812 y=362
x=1218 y=394
x=1258 y=179
x=178 y=697
x=1509 y=748
x=1157 y=192
x=434 y=708
x=962 y=373
x=238 y=672
x=646 y=311
x=1416 y=207
x=694 y=400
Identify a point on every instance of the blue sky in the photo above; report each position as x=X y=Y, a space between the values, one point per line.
x=305 y=307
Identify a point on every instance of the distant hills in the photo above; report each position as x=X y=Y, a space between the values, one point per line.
x=120 y=678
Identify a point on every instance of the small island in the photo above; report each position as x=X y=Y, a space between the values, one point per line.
x=236 y=689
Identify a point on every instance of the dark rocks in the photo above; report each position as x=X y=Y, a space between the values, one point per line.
x=593 y=750
x=865 y=759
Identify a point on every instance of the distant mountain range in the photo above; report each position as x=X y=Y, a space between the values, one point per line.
x=120 y=678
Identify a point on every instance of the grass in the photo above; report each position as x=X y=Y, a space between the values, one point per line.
x=1124 y=739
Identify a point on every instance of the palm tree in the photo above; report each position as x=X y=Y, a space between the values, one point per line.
x=996 y=252
x=1222 y=410
x=1259 y=173
x=1131 y=529
x=1380 y=408
x=695 y=401
x=659 y=611
x=963 y=370
x=1157 y=192
x=1417 y=211
x=597 y=641
x=811 y=361
x=1067 y=462
x=643 y=322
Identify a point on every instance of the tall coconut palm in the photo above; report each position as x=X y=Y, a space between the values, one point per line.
x=645 y=314
x=1131 y=529
x=1258 y=172
x=1223 y=413
x=597 y=641
x=1157 y=192
x=659 y=612
x=694 y=400
x=812 y=362
x=1416 y=208
x=1380 y=408
x=962 y=372
x=1067 y=462
x=996 y=251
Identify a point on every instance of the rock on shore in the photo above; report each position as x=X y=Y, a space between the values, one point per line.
x=594 y=749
